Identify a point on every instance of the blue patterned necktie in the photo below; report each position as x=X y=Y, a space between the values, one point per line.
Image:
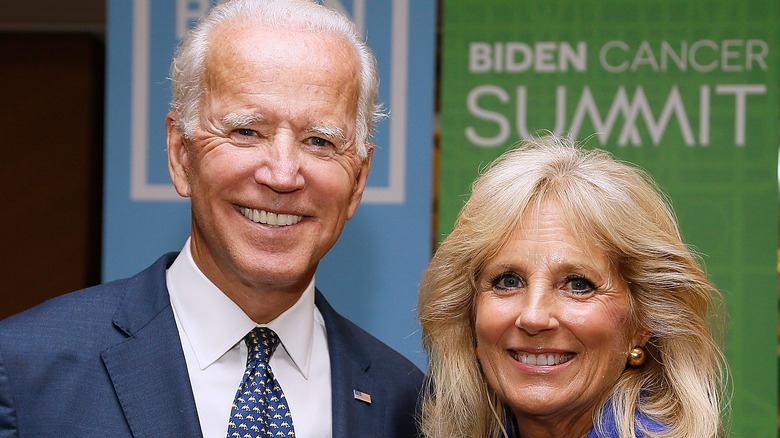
x=260 y=409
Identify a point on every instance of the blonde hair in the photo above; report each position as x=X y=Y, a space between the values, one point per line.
x=619 y=209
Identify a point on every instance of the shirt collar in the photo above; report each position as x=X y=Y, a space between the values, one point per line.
x=214 y=324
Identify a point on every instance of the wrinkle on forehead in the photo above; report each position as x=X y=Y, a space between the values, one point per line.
x=553 y=209
x=296 y=40
x=542 y=224
x=259 y=66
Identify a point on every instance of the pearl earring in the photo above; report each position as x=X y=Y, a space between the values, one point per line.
x=636 y=358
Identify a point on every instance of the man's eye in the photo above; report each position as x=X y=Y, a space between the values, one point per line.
x=246 y=132
x=318 y=141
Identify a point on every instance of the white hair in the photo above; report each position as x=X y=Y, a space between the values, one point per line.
x=188 y=66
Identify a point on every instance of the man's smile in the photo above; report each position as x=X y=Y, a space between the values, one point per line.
x=268 y=218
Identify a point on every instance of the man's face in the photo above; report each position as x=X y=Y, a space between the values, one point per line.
x=272 y=169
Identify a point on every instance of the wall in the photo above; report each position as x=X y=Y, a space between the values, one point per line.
x=51 y=114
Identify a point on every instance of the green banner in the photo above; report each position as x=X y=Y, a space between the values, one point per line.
x=686 y=89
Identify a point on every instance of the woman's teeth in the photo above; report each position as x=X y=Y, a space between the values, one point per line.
x=542 y=359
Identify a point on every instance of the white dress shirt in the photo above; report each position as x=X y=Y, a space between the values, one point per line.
x=212 y=328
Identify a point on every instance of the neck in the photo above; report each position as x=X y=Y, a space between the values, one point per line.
x=532 y=432
x=263 y=306
x=531 y=426
x=262 y=296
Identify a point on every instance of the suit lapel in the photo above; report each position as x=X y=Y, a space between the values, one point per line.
x=148 y=369
x=350 y=369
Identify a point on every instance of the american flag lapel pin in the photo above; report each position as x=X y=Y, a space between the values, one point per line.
x=362 y=396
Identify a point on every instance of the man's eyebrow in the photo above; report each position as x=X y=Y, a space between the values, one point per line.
x=329 y=131
x=237 y=120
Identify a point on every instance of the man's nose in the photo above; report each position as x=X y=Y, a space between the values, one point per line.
x=280 y=164
x=537 y=310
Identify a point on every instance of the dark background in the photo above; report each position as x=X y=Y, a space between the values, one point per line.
x=51 y=148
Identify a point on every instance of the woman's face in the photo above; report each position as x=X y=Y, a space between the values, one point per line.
x=552 y=324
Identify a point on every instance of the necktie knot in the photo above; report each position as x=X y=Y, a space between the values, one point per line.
x=261 y=341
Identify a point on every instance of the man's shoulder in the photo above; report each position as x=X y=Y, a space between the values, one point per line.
x=382 y=356
x=375 y=347
x=87 y=307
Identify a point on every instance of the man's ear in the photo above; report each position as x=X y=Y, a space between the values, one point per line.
x=360 y=181
x=178 y=156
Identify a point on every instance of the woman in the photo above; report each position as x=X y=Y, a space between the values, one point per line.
x=564 y=303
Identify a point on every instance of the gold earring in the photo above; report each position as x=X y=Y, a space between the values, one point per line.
x=636 y=358
x=476 y=353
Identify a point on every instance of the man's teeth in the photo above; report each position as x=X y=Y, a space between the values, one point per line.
x=542 y=359
x=271 y=219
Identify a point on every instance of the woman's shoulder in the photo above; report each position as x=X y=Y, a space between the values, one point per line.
x=644 y=423
x=608 y=429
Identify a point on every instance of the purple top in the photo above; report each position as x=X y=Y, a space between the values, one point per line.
x=610 y=428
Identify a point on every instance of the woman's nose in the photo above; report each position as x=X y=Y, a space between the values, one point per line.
x=537 y=310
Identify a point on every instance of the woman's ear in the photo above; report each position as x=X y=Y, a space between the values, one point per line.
x=641 y=338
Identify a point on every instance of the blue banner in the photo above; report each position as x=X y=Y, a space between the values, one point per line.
x=372 y=274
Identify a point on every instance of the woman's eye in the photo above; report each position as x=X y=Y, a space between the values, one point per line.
x=580 y=285
x=508 y=280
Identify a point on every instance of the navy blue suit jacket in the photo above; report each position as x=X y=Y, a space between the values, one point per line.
x=107 y=362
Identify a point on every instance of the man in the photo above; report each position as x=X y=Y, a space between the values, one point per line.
x=273 y=104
